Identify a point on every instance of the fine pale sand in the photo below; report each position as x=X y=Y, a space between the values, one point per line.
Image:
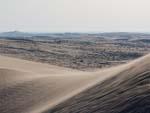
x=29 y=87
x=126 y=92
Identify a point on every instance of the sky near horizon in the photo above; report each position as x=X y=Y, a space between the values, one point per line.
x=75 y=15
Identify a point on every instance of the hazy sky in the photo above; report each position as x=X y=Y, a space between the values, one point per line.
x=75 y=15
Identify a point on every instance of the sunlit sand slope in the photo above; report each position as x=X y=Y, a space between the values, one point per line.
x=29 y=87
x=126 y=92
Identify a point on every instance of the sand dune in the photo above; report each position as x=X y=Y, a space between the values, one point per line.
x=126 y=92
x=29 y=87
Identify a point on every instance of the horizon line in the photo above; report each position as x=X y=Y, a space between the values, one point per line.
x=74 y=31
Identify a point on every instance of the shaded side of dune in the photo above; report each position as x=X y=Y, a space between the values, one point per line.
x=127 y=92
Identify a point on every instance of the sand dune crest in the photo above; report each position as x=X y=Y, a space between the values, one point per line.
x=29 y=87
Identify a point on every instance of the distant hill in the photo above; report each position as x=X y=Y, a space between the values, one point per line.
x=15 y=34
x=18 y=34
x=67 y=35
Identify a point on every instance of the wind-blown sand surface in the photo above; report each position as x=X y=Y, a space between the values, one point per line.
x=29 y=87
x=126 y=92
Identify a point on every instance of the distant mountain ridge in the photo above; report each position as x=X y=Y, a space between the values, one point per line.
x=22 y=34
x=15 y=34
x=107 y=35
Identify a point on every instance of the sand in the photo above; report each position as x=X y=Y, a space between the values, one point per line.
x=126 y=92
x=30 y=87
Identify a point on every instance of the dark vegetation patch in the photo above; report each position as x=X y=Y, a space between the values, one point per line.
x=79 y=51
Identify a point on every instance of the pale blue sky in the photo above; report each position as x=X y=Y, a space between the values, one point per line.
x=75 y=15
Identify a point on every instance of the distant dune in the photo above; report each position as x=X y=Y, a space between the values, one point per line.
x=29 y=87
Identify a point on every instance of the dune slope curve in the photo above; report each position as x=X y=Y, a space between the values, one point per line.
x=126 y=92
x=29 y=87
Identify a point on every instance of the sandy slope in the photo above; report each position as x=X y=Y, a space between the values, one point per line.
x=29 y=87
x=126 y=92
